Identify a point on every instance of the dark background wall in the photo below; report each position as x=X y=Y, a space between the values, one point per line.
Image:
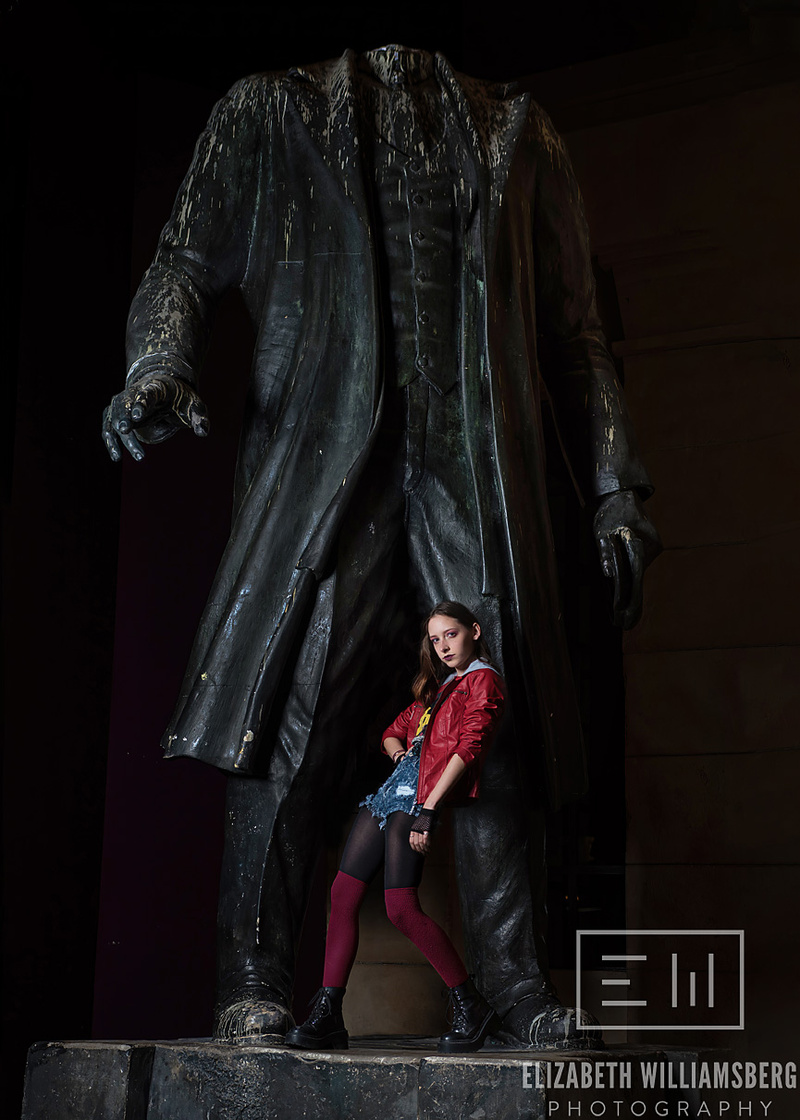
x=111 y=856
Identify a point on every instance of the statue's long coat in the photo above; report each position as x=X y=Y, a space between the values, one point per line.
x=276 y=202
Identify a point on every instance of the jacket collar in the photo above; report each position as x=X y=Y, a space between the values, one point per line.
x=471 y=668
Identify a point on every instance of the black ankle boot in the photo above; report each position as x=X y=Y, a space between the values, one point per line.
x=324 y=1027
x=473 y=1019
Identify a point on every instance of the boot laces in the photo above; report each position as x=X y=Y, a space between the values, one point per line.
x=457 y=1011
x=319 y=1006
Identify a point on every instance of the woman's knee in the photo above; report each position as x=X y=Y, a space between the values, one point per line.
x=347 y=893
x=403 y=909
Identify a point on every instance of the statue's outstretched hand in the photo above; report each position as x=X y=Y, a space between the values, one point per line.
x=627 y=541
x=151 y=411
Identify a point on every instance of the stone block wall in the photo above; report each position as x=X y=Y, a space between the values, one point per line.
x=692 y=206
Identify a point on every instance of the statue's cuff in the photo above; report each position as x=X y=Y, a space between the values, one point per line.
x=162 y=361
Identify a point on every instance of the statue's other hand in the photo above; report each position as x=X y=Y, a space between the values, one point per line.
x=627 y=541
x=151 y=411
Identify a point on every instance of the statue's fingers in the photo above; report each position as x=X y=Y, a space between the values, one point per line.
x=110 y=438
x=200 y=423
x=191 y=410
x=119 y=412
x=619 y=575
x=634 y=549
x=606 y=550
x=618 y=570
x=130 y=441
x=635 y=555
x=150 y=397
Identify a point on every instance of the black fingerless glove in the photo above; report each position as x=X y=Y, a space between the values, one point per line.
x=427 y=820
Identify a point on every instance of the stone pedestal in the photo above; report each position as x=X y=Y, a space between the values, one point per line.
x=384 y=1078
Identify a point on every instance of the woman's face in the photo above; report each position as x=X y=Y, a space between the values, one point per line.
x=452 y=641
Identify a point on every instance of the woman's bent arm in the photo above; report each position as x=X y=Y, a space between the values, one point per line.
x=393 y=747
x=450 y=775
x=421 y=841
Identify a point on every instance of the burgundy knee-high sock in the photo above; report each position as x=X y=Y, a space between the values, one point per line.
x=404 y=910
x=347 y=894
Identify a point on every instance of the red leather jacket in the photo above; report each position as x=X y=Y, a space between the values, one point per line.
x=464 y=724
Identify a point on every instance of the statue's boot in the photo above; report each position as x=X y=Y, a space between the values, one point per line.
x=502 y=897
x=544 y=1023
x=262 y=900
x=252 y=1018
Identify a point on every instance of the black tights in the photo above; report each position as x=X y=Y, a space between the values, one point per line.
x=368 y=846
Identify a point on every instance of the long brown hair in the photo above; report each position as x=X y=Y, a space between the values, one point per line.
x=431 y=668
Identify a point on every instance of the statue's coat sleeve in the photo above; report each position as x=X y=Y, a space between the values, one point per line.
x=538 y=344
x=265 y=208
x=204 y=248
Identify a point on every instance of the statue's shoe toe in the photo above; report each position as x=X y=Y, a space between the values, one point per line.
x=259 y=1019
x=552 y=1027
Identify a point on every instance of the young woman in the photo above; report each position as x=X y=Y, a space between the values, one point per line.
x=438 y=745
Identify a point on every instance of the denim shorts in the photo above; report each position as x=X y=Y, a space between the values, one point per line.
x=399 y=791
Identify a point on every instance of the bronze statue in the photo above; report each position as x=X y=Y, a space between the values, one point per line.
x=411 y=246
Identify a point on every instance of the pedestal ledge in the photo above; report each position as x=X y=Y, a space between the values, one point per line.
x=381 y=1078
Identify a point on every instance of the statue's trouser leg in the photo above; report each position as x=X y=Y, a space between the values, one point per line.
x=260 y=915
x=273 y=824
x=499 y=853
x=271 y=842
